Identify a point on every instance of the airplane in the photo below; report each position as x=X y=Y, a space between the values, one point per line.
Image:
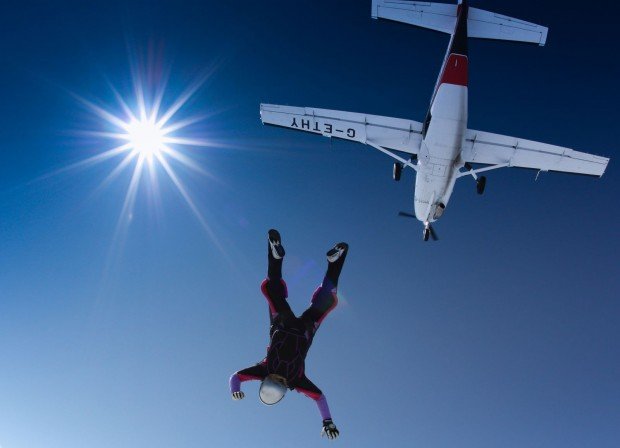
x=442 y=149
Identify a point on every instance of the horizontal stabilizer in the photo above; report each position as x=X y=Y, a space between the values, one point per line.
x=435 y=16
x=488 y=25
x=442 y=17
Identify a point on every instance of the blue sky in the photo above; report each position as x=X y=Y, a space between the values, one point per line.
x=504 y=333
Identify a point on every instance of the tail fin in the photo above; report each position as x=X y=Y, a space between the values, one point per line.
x=442 y=17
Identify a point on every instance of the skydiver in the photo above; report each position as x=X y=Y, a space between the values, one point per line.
x=290 y=336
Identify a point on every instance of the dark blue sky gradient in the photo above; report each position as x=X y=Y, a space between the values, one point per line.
x=504 y=333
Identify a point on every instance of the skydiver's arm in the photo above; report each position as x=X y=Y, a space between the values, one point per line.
x=307 y=387
x=256 y=372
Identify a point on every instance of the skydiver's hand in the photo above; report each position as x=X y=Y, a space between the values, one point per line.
x=329 y=429
x=238 y=395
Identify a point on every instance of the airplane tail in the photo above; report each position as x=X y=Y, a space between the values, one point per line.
x=443 y=17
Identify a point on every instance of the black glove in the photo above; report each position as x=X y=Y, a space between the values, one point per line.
x=329 y=429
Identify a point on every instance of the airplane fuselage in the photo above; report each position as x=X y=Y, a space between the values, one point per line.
x=438 y=148
x=444 y=130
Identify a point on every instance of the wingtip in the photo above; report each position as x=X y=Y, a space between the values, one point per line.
x=543 y=37
x=374 y=10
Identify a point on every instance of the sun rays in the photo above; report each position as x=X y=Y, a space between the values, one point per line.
x=144 y=137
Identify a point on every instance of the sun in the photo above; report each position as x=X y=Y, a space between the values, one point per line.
x=150 y=138
x=146 y=138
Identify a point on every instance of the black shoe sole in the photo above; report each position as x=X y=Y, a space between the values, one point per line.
x=336 y=248
x=275 y=239
x=274 y=236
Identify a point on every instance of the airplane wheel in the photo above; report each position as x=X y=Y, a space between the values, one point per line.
x=480 y=184
x=426 y=234
x=397 y=171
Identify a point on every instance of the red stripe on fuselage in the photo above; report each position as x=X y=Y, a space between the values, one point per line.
x=455 y=70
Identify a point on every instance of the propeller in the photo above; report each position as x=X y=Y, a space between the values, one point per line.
x=433 y=234
x=431 y=231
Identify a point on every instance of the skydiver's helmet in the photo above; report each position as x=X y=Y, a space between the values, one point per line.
x=272 y=390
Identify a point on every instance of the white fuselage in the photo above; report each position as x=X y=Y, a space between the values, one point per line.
x=438 y=159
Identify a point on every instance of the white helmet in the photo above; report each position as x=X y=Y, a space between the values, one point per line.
x=271 y=391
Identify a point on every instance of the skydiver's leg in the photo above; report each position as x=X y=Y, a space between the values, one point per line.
x=335 y=260
x=275 y=255
x=324 y=299
x=273 y=287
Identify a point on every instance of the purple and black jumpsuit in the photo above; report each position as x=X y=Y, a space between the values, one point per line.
x=291 y=336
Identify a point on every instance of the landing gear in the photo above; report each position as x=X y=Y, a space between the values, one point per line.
x=397 y=171
x=481 y=182
x=439 y=210
x=429 y=232
x=426 y=233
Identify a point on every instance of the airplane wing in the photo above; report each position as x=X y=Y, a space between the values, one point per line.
x=496 y=149
x=391 y=133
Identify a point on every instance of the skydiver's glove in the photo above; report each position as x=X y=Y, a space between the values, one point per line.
x=329 y=429
x=238 y=395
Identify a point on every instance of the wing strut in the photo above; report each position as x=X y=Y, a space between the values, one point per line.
x=405 y=162
x=482 y=170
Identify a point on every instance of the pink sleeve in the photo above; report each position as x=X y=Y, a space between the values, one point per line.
x=257 y=372
x=323 y=407
x=321 y=402
x=235 y=383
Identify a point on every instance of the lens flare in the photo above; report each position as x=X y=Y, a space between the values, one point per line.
x=148 y=137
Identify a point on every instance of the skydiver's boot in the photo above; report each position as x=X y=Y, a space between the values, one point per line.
x=335 y=260
x=275 y=254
